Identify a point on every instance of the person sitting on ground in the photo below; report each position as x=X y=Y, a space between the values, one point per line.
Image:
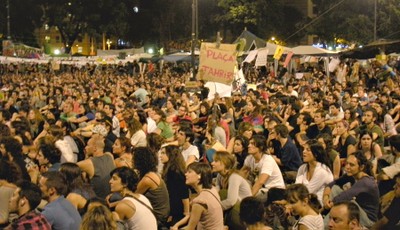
x=261 y=169
x=363 y=189
x=252 y=214
x=390 y=216
x=26 y=198
x=288 y=156
x=306 y=205
x=60 y=213
x=314 y=173
x=345 y=215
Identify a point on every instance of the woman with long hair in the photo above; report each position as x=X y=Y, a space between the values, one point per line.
x=345 y=143
x=98 y=217
x=306 y=205
x=371 y=149
x=231 y=185
x=206 y=211
x=136 y=133
x=174 y=176
x=245 y=129
x=327 y=143
x=253 y=115
x=314 y=173
x=362 y=189
x=351 y=117
x=36 y=122
x=78 y=192
x=151 y=183
x=122 y=151
x=134 y=208
x=240 y=147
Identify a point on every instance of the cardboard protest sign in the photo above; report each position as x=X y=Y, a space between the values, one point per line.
x=262 y=57
x=217 y=64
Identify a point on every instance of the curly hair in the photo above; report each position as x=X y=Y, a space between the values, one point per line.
x=10 y=171
x=12 y=146
x=145 y=160
x=128 y=177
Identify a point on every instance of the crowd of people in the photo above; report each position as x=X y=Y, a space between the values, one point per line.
x=112 y=147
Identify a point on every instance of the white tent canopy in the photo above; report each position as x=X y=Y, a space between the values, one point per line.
x=311 y=50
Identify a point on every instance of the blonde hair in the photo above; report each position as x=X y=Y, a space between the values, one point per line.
x=98 y=217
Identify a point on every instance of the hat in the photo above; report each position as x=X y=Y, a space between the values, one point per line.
x=100 y=129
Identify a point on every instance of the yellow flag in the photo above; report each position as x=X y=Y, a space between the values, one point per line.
x=278 y=52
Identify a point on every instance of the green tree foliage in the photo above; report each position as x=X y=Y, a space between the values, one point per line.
x=354 y=20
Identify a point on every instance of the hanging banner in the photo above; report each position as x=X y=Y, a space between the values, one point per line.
x=287 y=60
x=262 y=57
x=217 y=64
x=251 y=56
x=278 y=52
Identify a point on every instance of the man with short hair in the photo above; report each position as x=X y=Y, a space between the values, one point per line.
x=263 y=170
x=288 y=157
x=60 y=213
x=98 y=165
x=24 y=201
x=185 y=138
x=345 y=216
x=369 y=117
x=109 y=109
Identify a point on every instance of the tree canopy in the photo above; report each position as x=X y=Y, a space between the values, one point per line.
x=163 y=21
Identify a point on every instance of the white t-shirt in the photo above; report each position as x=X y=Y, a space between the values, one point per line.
x=191 y=151
x=151 y=125
x=322 y=176
x=67 y=155
x=138 y=139
x=266 y=165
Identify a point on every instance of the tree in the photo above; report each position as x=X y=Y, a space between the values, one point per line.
x=354 y=20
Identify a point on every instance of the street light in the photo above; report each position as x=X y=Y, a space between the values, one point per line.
x=194 y=36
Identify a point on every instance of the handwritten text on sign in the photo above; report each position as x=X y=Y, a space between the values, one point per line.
x=217 y=65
